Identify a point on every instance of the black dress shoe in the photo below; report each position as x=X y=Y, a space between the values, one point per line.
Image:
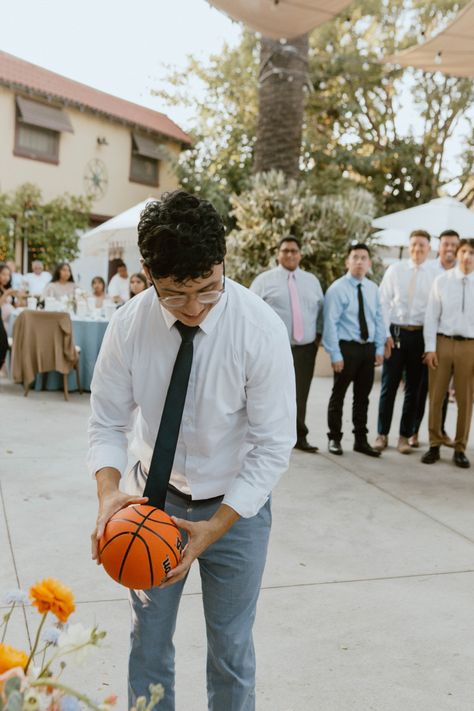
x=334 y=447
x=365 y=448
x=306 y=446
x=460 y=460
x=431 y=456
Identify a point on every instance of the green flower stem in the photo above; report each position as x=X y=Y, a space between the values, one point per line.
x=67 y=690
x=37 y=638
x=6 y=620
x=63 y=654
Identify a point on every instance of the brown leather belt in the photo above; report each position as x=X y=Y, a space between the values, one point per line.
x=456 y=338
x=408 y=328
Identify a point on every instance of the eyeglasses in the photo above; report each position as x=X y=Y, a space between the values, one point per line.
x=289 y=251
x=203 y=297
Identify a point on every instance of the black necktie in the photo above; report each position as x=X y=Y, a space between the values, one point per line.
x=364 y=331
x=167 y=438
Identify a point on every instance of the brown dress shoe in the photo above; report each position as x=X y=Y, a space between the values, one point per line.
x=381 y=443
x=403 y=446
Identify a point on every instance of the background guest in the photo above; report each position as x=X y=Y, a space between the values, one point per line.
x=404 y=295
x=119 y=288
x=37 y=278
x=138 y=283
x=17 y=279
x=62 y=283
x=354 y=336
x=98 y=291
x=298 y=299
x=449 y=339
x=6 y=293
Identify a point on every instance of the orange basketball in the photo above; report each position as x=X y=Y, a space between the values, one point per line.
x=140 y=545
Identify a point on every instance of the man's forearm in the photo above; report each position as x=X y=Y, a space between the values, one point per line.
x=108 y=480
x=223 y=520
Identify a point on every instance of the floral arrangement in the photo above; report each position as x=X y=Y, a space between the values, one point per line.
x=28 y=680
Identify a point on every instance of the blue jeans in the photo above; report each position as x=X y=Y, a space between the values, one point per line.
x=231 y=572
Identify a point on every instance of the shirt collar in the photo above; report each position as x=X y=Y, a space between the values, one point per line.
x=354 y=281
x=460 y=275
x=209 y=322
x=412 y=265
x=287 y=271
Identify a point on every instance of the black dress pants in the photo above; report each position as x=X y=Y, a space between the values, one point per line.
x=3 y=342
x=407 y=359
x=359 y=364
x=303 y=360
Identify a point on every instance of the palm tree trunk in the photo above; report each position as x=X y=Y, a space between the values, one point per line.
x=283 y=75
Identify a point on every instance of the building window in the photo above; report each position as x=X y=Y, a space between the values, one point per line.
x=145 y=160
x=38 y=127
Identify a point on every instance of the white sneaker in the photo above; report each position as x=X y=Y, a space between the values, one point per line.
x=403 y=446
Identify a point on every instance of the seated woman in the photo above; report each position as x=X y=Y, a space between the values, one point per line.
x=7 y=294
x=138 y=283
x=98 y=291
x=62 y=283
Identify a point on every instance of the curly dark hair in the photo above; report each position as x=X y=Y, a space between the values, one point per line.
x=181 y=236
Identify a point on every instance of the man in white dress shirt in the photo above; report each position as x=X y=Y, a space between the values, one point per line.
x=449 y=343
x=237 y=432
x=298 y=299
x=404 y=292
x=119 y=285
x=37 y=278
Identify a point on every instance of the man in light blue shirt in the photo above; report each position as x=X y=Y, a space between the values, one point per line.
x=354 y=336
x=298 y=299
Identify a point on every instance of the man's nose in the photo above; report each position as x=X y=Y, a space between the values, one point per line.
x=193 y=306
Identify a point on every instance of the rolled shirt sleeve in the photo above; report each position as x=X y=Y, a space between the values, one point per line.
x=112 y=404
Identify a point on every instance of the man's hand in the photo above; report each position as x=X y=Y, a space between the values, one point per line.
x=111 y=500
x=378 y=360
x=431 y=360
x=338 y=366
x=201 y=534
x=389 y=344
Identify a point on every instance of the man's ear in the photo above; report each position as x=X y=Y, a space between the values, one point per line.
x=146 y=271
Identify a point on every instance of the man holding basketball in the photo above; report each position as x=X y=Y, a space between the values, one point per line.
x=237 y=429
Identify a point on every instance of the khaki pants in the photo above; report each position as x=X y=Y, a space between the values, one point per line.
x=454 y=357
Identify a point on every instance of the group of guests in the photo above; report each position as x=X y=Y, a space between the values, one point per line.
x=42 y=284
x=418 y=325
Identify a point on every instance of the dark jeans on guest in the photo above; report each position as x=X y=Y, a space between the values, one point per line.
x=359 y=364
x=3 y=343
x=405 y=359
x=303 y=360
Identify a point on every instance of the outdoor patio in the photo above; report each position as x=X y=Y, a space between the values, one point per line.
x=367 y=596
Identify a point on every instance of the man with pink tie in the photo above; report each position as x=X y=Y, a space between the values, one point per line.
x=296 y=296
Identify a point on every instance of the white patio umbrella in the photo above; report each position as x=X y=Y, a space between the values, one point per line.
x=281 y=18
x=440 y=214
x=122 y=229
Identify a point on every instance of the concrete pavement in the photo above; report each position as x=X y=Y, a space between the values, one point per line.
x=367 y=599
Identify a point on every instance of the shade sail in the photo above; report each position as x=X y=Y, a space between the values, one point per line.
x=281 y=18
x=440 y=214
x=122 y=228
x=451 y=51
x=37 y=114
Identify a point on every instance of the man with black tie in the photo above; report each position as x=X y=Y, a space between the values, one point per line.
x=298 y=299
x=205 y=342
x=354 y=337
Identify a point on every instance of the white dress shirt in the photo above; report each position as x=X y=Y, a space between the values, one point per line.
x=395 y=293
x=119 y=286
x=272 y=287
x=444 y=313
x=238 y=425
x=37 y=282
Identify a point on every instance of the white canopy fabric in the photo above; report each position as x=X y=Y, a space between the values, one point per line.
x=121 y=229
x=280 y=19
x=451 y=51
x=440 y=214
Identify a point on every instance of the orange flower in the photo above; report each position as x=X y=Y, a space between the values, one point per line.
x=11 y=658
x=50 y=595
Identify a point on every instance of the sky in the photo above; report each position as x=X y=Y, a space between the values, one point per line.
x=117 y=46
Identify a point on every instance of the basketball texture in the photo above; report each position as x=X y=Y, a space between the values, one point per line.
x=140 y=545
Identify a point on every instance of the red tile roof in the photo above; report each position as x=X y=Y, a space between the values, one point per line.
x=20 y=75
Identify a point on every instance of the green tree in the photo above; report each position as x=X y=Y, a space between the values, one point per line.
x=351 y=131
x=274 y=207
x=50 y=228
